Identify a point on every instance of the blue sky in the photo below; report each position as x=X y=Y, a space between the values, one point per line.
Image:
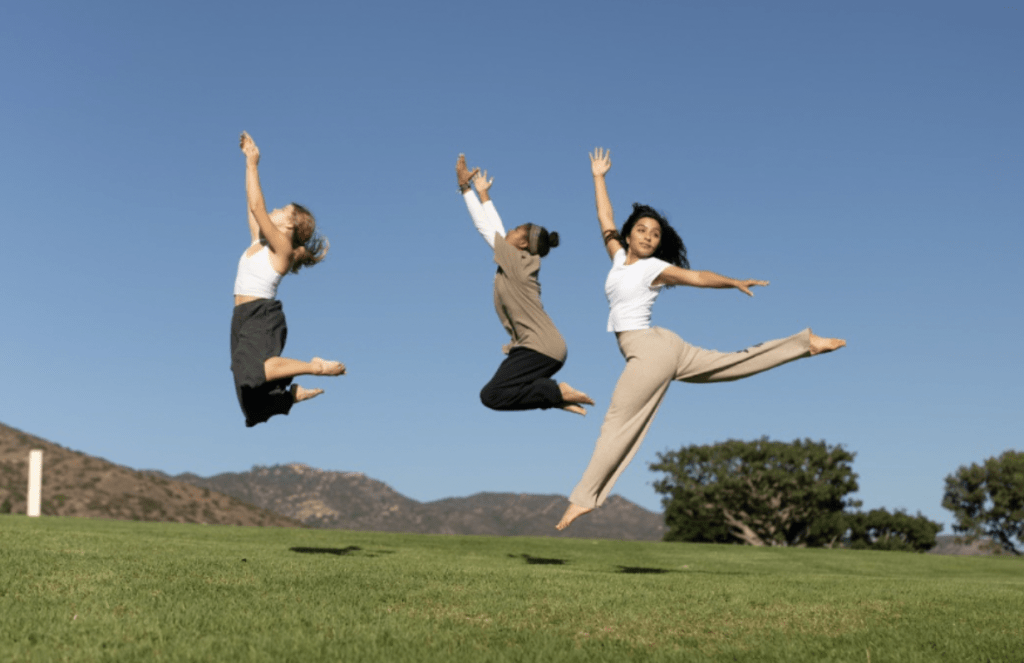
x=863 y=157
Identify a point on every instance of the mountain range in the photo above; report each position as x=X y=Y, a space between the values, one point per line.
x=292 y=495
x=351 y=500
x=296 y=495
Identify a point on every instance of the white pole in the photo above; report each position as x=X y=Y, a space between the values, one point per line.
x=35 y=481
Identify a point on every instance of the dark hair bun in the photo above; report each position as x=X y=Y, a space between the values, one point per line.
x=552 y=239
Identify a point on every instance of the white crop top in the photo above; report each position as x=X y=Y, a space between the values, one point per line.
x=630 y=293
x=256 y=276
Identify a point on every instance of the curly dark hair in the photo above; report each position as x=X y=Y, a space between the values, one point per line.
x=671 y=249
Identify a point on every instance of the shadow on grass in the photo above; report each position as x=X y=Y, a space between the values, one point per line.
x=340 y=551
x=326 y=551
x=530 y=559
x=641 y=569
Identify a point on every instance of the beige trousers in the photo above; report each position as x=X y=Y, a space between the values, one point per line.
x=654 y=358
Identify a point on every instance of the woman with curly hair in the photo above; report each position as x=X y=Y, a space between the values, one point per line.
x=536 y=352
x=648 y=255
x=285 y=240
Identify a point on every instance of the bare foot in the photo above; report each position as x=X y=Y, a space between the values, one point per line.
x=325 y=367
x=574 y=408
x=820 y=345
x=572 y=513
x=570 y=395
x=300 y=394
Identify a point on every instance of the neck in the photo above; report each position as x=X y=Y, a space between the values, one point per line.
x=632 y=257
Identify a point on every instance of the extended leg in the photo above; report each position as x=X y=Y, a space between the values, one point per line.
x=700 y=365
x=650 y=367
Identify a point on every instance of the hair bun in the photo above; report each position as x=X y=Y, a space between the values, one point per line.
x=552 y=239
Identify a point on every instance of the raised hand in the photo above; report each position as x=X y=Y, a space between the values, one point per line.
x=481 y=182
x=600 y=161
x=249 y=148
x=463 y=173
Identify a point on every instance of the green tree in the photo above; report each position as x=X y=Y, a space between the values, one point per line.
x=759 y=493
x=989 y=500
x=880 y=530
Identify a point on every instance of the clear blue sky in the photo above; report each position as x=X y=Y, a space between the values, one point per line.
x=866 y=158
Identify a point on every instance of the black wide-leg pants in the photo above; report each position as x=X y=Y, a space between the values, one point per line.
x=523 y=382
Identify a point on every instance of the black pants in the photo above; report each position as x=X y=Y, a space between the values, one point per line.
x=258 y=332
x=523 y=382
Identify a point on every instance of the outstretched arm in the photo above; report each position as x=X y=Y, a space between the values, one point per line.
x=601 y=163
x=278 y=242
x=673 y=275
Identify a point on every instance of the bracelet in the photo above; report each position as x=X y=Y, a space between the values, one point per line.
x=463 y=188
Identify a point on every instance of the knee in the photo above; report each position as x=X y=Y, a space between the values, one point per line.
x=489 y=397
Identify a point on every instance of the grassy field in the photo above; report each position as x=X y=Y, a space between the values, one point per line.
x=93 y=590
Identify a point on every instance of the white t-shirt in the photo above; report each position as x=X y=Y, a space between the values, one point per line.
x=630 y=293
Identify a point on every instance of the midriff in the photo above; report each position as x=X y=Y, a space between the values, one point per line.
x=245 y=299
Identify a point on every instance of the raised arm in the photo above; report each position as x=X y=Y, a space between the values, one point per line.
x=601 y=163
x=481 y=219
x=673 y=275
x=254 y=228
x=483 y=186
x=278 y=241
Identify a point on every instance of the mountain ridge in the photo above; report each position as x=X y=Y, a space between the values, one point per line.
x=291 y=495
x=351 y=500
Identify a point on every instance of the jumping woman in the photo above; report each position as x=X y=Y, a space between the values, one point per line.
x=536 y=351
x=285 y=240
x=646 y=256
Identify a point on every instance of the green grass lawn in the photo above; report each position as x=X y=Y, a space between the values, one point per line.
x=93 y=590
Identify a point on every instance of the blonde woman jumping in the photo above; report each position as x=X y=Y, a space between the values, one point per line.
x=283 y=241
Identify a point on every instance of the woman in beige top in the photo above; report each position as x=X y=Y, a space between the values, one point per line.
x=536 y=351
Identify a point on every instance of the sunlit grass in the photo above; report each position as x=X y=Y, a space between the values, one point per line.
x=85 y=590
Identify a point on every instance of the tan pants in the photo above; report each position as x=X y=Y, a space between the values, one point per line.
x=654 y=358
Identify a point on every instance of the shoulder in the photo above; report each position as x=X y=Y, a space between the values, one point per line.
x=513 y=260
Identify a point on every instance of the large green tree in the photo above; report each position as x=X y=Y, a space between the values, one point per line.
x=988 y=500
x=761 y=492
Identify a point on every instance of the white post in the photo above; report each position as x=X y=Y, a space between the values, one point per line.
x=35 y=481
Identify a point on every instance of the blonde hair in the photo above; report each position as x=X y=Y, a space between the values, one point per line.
x=309 y=246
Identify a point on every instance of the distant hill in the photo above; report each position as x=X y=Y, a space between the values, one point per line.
x=350 y=500
x=75 y=484
x=294 y=495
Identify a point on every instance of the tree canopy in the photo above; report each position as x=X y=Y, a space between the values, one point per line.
x=989 y=500
x=763 y=492
x=880 y=530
